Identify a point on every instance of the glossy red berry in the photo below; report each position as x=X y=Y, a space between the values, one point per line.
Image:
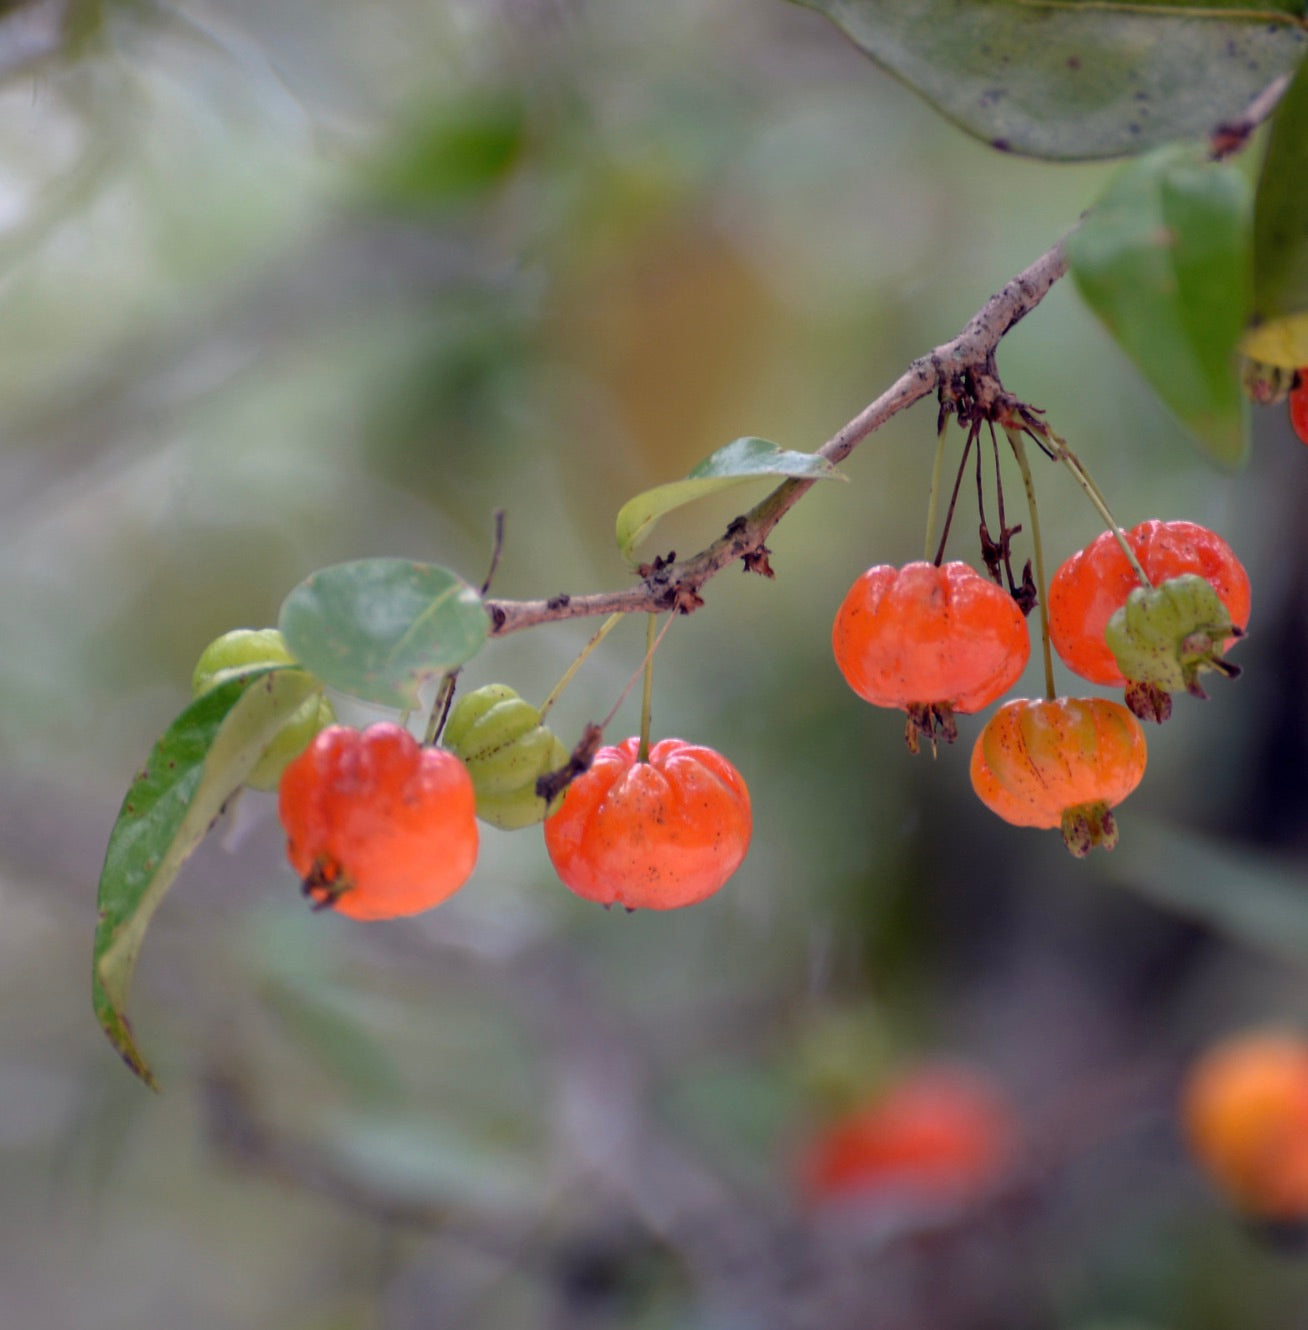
x=1244 y=1107
x=1299 y=405
x=1095 y=582
x=651 y=835
x=939 y=1135
x=378 y=826
x=1062 y=763
x=930 y=640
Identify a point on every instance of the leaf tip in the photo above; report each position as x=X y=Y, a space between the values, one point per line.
x=119 y=1033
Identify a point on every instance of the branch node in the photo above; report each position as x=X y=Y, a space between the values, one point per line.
x=685 y=598
x=756 y=561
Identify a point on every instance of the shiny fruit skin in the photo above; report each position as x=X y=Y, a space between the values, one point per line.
x=653 y=835
x=1244 y=1107
x=1037 y=761
x=939 y=1135
x=378 y=826
x=244 y=649
x=1299 y=406
x=923 y=634
x=1094 y=584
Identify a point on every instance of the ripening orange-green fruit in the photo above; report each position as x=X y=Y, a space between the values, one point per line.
x=1060 y=763
x=378 y=826
x=1244 y=1107
x=1093 y=585
x=929 y=640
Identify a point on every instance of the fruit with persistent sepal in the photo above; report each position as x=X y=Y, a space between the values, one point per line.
x=376 y=825
x=655 y=834
x=929 y=640
x=1061 y=763
x=1096 y=582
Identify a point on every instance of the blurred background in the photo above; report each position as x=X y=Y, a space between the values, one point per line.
x=286 y=284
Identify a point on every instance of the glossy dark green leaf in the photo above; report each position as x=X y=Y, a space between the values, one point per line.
x=1079 y=78
x=1279 y=332
x=1162 y=259
x=200 y=761
x=378 y=629
x=738 y=462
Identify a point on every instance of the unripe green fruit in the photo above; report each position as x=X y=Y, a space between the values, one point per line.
x=506 y=749
x=245 y=649
x=1164 y=636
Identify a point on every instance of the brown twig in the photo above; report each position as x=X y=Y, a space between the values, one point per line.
x=970 y=355
x=676 y=585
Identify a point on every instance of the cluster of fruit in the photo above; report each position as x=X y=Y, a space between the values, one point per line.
x=379 y=826
x=934 y=640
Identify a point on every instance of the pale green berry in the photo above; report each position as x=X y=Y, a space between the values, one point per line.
x=245 y=649
x=506 y=749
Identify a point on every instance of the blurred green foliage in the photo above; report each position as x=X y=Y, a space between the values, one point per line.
x=285 y=286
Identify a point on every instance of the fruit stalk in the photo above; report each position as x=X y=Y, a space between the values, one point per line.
x=1042 y=595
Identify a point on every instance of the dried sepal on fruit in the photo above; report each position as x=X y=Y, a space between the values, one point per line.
x=1244 y=1106
x=1165 y=636
x=500 y=739
x=930 y=640
x=1065 y=762
x=651 y=835
x=378 y=826
x=1096 y=582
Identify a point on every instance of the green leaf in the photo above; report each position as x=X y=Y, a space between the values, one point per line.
x=192 y=771
x=1249 y=897
x=453 y=152
x=1279 y=333
x=1074 y=79
x=743 y=460
x=378 y=629
x=1162 y=260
